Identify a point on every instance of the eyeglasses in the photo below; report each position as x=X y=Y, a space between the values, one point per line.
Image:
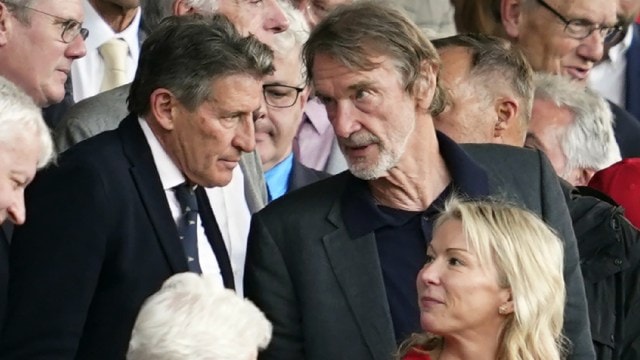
x=70 y=28
x=580 y=29
x=280 y=96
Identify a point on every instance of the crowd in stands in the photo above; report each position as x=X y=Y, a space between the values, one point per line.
x=320 y=179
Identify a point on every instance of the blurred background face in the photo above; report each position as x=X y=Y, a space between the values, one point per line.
x=316 y=10
x=549 y=49
x=546 y=127
x=260 y=18
x=18 y=162
x=455 y=293
x=469 y=115
x=276 y=128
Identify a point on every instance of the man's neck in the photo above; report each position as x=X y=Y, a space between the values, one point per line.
x=418 y=179
x=117 y=17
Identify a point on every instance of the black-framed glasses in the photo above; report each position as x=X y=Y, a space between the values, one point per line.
x=281 y=96
x=70 y=28
x=580 y=28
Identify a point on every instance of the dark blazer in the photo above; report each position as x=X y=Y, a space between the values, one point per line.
x=626 y=129
x=323 y=290
x=302 y=176
x=100 y=239
x=4 y=274
x=632 y=84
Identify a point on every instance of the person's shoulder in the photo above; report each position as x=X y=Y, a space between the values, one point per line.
x=501 y=155
x=314 y=198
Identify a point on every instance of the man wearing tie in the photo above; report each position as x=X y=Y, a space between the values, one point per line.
x=126 y=209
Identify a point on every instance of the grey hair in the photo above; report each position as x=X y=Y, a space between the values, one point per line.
x=21 y=118
x=292 y=39
x=353 y=33
x=589 y=141
x=192 y=317
x=153 y=11
x=19 y=8
x=496 y=60
x=186 y=53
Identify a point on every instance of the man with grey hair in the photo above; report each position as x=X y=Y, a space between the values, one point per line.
x=128 y=208
x=333 y=265
x=190 y=317
x=573 y=126
x=490 y=87
x=25 y=146
x=40 y=40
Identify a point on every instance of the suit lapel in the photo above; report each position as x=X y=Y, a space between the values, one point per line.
x=356 y=265
x=633 y=74
x=145 y=175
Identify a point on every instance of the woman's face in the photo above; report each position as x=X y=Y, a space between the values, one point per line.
x=456 y=295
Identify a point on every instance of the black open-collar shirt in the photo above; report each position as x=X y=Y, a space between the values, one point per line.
x=402 y=236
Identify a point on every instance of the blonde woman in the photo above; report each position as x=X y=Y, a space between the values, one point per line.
x=492 y=287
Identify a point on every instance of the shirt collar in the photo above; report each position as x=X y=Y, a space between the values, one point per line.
x=362 y=215
x=170 y=175
x=277 y=178
x=316 y=114
x=100 y=32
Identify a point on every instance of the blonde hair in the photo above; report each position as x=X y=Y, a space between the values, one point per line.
x=528 y=256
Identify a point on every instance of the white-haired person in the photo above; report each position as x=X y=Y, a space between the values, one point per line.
x=573 y=126
x=491 y=288
x=193 y=318
x=25 y=146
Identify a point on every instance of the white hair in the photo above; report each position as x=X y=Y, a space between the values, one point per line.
x=589 y=141
x=153 y=11
x=193 y=318
x=295 y=36
x=21 y=120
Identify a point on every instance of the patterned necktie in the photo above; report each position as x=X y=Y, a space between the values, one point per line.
x=114 y=53
x=188 y=225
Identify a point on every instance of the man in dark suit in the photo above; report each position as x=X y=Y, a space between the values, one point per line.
x=25 y=145
x=334 y=265
x=285 y=97
x=568 y=38
x=125 y=210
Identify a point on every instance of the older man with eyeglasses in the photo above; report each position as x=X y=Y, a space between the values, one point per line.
x=568 y=38
x=38 y=42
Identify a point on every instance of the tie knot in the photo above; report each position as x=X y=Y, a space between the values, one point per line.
x=114 y=54
x=186 y=197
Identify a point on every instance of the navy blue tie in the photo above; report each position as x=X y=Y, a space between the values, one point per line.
x=188 y=225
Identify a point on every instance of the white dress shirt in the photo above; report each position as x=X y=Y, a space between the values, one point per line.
x=608 y=78
x=87 y=72
x=228 y=204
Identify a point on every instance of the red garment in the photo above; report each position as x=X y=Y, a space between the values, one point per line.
x=621 y=181
x=415 y=355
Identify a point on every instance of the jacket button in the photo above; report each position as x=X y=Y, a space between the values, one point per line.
x=617 y=262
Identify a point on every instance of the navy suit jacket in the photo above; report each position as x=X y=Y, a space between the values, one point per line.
x=632 y=85
x=100 y=239
x=626 y=129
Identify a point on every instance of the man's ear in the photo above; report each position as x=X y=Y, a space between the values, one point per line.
x=163 y=108
x=507 y=122
x=510 y=11
x=180 y=7
x=425 y=86
x=5 y=24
